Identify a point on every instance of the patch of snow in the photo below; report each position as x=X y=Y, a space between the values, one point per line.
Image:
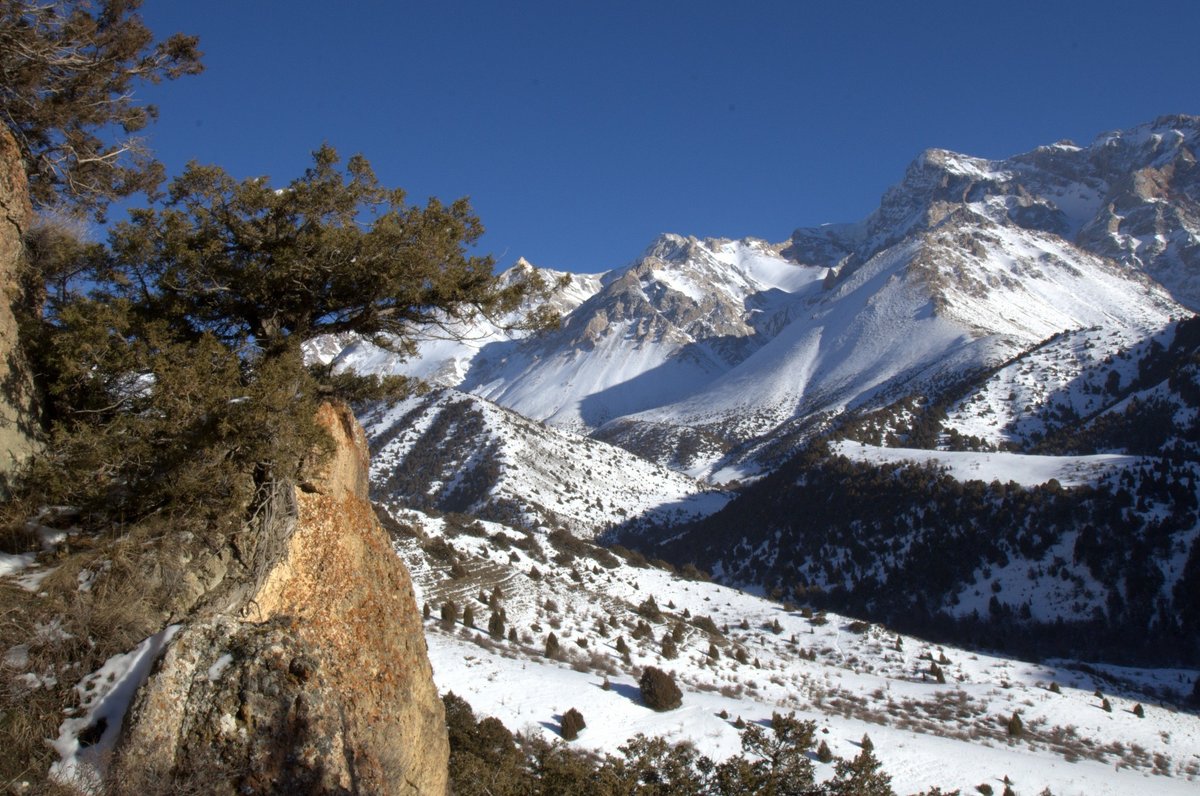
x=104 y=697
x=1023 y=469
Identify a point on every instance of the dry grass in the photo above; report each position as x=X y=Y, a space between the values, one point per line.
x=50 y=639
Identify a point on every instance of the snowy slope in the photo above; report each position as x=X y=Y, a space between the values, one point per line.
x=459 y=452
x=665 y=326
x=851 y=678
x=918 y=315
x=1023 y=469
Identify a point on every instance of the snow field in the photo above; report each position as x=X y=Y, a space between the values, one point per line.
x=857 y=681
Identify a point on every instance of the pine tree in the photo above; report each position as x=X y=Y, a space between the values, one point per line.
x=468 y=616
x=669 y=650
x=861 y=776
x=552 y=646
x=1139 y=711
x=449 y=612
x=69 y=70
x=209 y=295
x=824 y=754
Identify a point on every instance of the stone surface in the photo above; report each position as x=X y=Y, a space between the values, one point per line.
x=318 y=682
x=17 y=418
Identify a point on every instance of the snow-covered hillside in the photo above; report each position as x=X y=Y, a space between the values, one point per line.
x=458 y=452
x=936 y=715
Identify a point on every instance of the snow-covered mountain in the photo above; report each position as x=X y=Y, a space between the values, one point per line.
x=458 y=452
x=705 y=354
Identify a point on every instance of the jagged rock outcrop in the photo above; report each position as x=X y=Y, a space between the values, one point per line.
x=315 y=680
x=1131 y=195
x=17 y=419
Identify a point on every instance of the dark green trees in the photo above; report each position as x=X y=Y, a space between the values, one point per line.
x=659 y=690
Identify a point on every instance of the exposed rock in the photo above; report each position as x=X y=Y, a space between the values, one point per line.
x=317 y=682
x=17 y=418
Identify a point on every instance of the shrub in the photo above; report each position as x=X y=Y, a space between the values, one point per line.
x=1139 y=711
x=449 y=612
x=824 y=754
x=649 y=609
x=1016 y=727
x=469 y=616
x=659 y=691
x=572 y=723
x=496 y=625
x=552 y=646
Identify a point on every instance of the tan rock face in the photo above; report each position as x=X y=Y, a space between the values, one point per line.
x=17 y=423
x=322 y=684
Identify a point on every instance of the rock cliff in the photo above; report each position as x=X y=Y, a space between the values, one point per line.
x=16 y=386
x=313 y=680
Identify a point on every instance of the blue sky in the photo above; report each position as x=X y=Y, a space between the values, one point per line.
x=581 y=130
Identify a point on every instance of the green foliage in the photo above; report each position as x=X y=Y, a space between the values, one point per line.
x=774 y=763
x=331 y=252
x=861 y=776
x=659 y=690
x=67 y=73
x=572 y=723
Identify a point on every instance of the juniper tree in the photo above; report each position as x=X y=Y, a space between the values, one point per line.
x=68 y=70
x=175 y=382
x=572 y=723
x=496 y=625
x=659 y=690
